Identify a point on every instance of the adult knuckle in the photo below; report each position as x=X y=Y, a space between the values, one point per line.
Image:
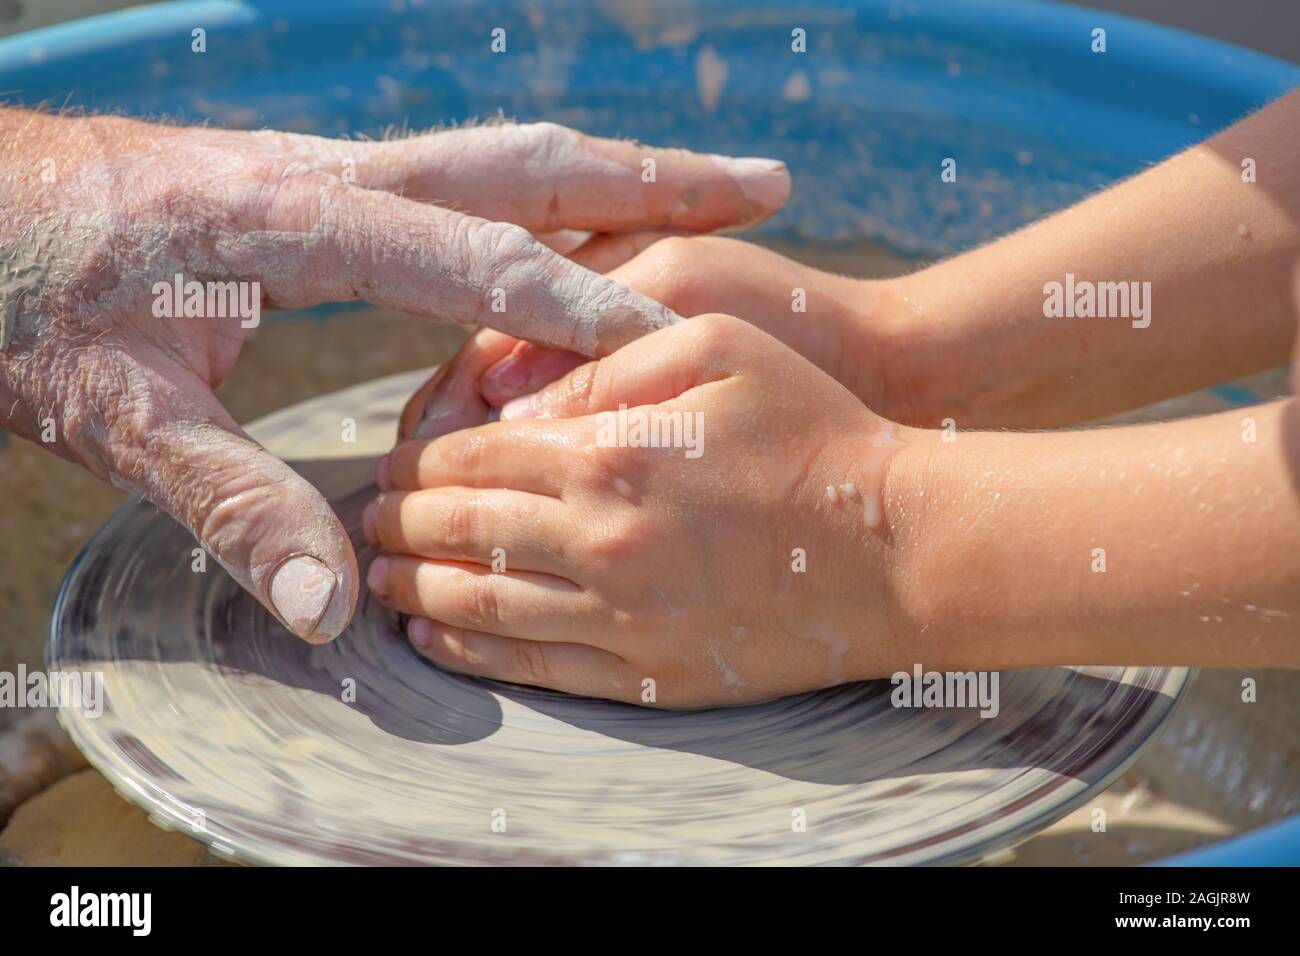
x=540 y=143
x=231 y=499
x=548 y=137
x=98 y=410
x=503 y=242
x=286 y=194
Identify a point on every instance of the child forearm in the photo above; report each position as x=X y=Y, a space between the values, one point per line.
x=1206 y=255
x=1176 y=543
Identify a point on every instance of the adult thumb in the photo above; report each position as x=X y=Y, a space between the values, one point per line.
x=262 y=521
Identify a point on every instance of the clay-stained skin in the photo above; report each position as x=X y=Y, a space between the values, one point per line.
x=867 y=492
x=834 y=647
x=39 y=265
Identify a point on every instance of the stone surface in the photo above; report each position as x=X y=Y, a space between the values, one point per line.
x=34 y=753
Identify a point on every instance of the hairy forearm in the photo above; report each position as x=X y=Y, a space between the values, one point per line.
x=44 y=149
x=1216 y=251
x=1163 y=544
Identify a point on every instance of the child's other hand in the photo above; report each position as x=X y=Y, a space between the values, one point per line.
x=846 y=327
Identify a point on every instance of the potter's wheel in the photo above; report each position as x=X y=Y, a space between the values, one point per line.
x=221 y=724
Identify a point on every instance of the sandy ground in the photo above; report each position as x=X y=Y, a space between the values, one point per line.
x=1221 y=767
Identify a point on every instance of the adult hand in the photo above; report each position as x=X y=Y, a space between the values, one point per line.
x=99 y=215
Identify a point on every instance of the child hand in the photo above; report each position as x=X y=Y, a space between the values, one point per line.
x=548 y=548
x=846 y=327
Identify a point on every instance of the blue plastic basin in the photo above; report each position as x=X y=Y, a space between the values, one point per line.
x=886 y=90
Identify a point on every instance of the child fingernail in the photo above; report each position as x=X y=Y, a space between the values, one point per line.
x=509 y=373
x=381 y=475
x=445 y=414
x=420 y=631
x=519 y=408
x=525 y=372
x=377 y=577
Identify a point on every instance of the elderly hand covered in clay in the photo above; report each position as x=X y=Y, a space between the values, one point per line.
x=102 y=218
x=618 y=563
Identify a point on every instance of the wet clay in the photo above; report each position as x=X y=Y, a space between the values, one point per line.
x=867 y=492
